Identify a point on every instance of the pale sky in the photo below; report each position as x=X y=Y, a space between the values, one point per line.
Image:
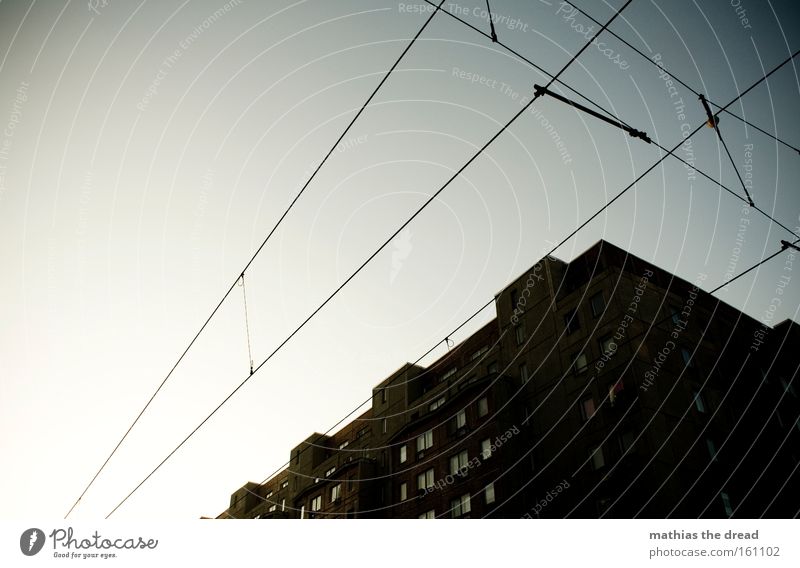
x=147 y=148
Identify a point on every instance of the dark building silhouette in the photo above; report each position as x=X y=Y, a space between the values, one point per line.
x=604 y=387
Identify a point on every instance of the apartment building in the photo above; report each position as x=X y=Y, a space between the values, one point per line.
x=604 y=387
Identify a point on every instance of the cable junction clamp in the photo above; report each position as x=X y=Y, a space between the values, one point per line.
x=713 y=122
x=491 y=22
x=787 y=244
x=539 y=90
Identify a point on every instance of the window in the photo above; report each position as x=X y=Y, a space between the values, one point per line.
x=385 y=426
x=514 y=299
x=598 y=460
x=712 y=449
x=486 y=448
x=598 y=304
x=571 y=321
x=460 y=506
x=344 y=444
x=607 y=345
x=448 y=374
x=351 y=483
x=579 y=363
x=587 y=409
x=519 y=332
x=383 y=395
x=687 y=357
x=483 y=407
x=268 y=495
x=489 y=493
x=726 y=502
x=425 y=479
x=283 y=505
x=788 y=387
x=458 y=461
x=492 y=367
x=316 y=503
x=403 y=491
x=330 y=471
x=284 y=484
x=676 y=314
x=336 y=492
x=361 y=433
x=699 y=401
x=272 y=509
x=436 y=404
x=403 y=454
x=428 y=515
x=425 y=441
x=625 y=442
x=523 y=372
x=461 y=419
x=479 y=352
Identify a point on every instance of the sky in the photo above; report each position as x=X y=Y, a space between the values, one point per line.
x=148 y=148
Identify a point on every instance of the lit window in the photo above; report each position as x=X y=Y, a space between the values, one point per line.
x=344 y=444
x=425 y=479
x=436 y=404
x=316 y=503
x=579 y=363
x=272 y=509
x=285 y=484
x=460 y=506
x=283 y=505
x=403 y=454
x=486 y=448
x=385 y=425
x=458 y=461
x=572 y=322
x=461 y=419
x=428 y=515
x=699 y=401
x=330 y=471
x=587 y=409
x=598 y=460
x=598 y=304
x=726 y=502
x=519 y=332
x=403 y=491
x=483 y=407
x=336 y=492
x=608 y=346
x=489 y=493
x=523 y=372
x=712 y=449
x=425 y=441
x=479 y=352
x=268 y=495
x=687 y=357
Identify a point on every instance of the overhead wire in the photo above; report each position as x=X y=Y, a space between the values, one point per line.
x=256 y=253
x=614 y=118
x=374 y=254
x=688 y=87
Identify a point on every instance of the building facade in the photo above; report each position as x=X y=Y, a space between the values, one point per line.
x=604 y=387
